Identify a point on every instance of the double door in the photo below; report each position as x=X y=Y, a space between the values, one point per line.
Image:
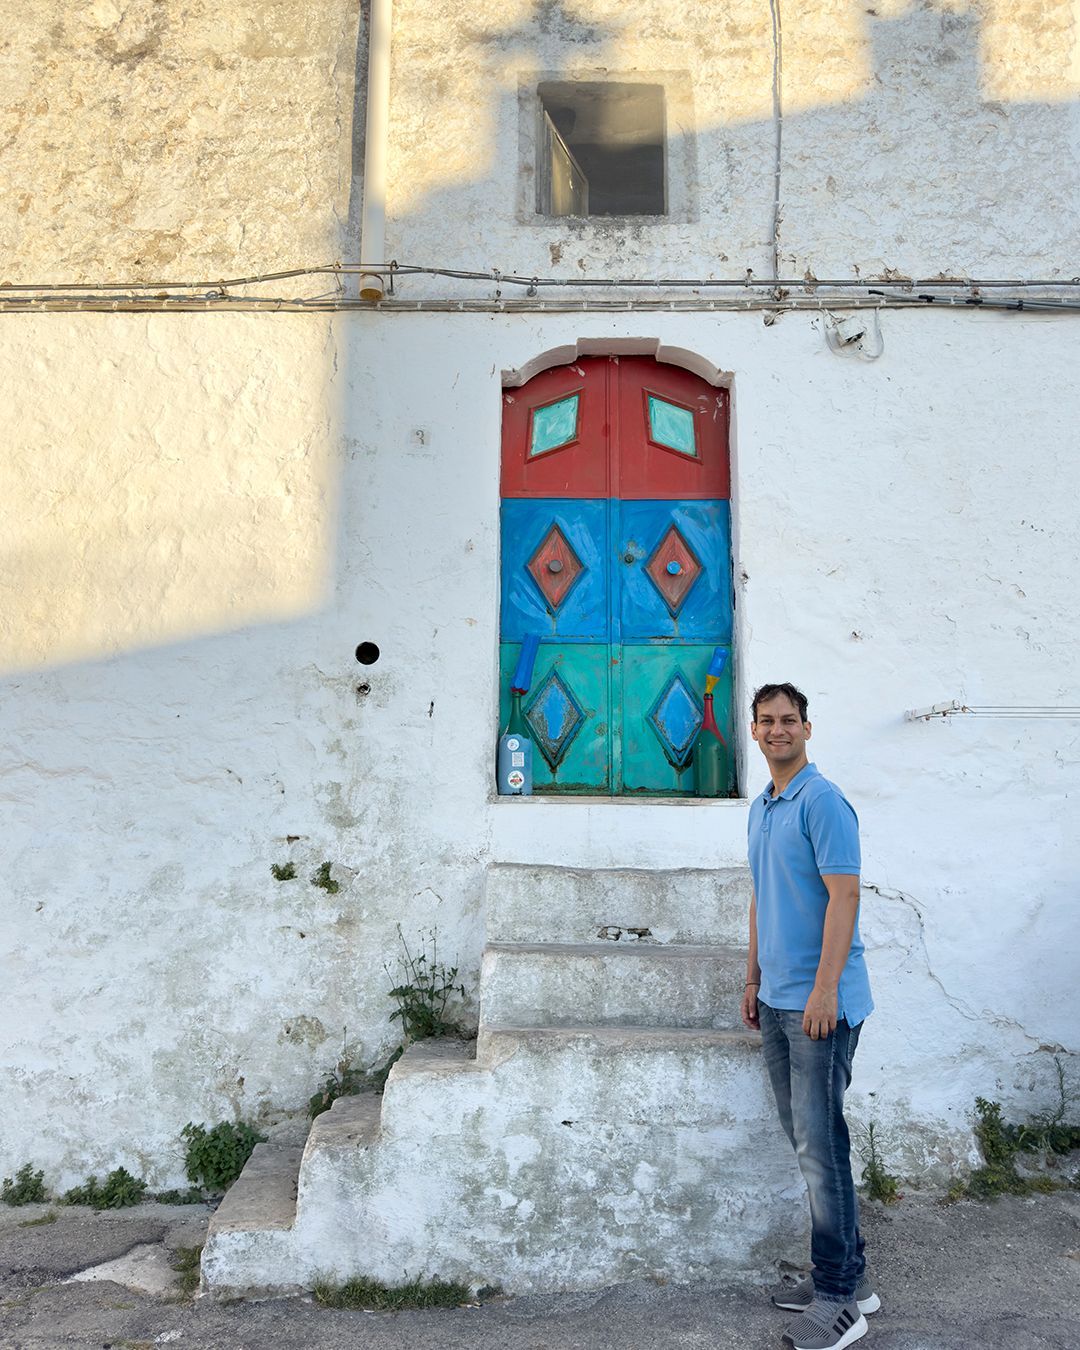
x=616 y=551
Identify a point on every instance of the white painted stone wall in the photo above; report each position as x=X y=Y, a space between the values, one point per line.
x=905 y=533
x=204 y=514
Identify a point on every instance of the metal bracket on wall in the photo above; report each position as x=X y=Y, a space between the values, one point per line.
x=1026 y=710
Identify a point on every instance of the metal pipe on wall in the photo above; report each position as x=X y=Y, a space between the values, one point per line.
x=376 y=146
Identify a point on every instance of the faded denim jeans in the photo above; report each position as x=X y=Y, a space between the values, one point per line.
x=809 y=1079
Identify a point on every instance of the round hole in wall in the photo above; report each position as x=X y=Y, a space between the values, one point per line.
x=367 y=653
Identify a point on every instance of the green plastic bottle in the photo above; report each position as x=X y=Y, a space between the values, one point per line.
x=711 y=758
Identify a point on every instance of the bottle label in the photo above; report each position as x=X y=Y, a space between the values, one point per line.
x=515 y=778
x=514 y=744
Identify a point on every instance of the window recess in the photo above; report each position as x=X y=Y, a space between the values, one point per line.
x=601 y=149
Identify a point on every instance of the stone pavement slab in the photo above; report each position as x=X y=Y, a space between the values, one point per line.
x=1001 y=1276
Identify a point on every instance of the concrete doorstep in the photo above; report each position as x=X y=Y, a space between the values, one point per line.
x=969 y=1276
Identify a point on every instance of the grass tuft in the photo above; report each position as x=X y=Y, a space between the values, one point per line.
x=364 y=1295
x=186 y=1263
x=50 y=1217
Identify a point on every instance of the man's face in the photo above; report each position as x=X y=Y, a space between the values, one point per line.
x=779 y=731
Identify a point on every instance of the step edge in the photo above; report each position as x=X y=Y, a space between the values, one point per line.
x=241 y=1193
x=643 y=950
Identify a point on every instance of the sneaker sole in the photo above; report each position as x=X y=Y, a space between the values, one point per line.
x=854 y=1333
x=866 y=1305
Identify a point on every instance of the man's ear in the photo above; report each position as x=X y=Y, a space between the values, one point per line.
x=753 y=730
x=809 y=729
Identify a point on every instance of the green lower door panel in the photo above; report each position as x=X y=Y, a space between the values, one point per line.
x=661 y=689
x=568 y=711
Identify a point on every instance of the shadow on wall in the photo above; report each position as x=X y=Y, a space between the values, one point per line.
x=202 y=496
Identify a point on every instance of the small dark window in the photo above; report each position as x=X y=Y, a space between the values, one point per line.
x=601 y=150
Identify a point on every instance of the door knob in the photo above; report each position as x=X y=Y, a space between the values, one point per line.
x=628 y=557
x=674 y=568
x=555 y=565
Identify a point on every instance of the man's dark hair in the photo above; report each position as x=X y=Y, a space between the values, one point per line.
x=768 y=691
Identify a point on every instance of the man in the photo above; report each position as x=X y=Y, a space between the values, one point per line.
x=808 y=993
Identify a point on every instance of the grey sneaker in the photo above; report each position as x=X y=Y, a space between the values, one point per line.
x=800 y=1298
x=827 y=1326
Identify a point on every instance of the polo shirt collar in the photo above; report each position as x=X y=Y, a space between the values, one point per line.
x=795 y=786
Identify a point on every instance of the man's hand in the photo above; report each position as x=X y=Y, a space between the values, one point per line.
x=819 y=1017
x=749 y=1008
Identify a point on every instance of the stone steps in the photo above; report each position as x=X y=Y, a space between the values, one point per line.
x=611 y=1122
x=557 y=1158
x=532 y=984
x=571 y=905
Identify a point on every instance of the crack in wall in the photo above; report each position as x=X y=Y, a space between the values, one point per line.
x=965 y=1010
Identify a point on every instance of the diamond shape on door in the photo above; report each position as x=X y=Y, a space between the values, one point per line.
x=555 y=718
x=676 y=719
x=673 y=569
x=555 y=567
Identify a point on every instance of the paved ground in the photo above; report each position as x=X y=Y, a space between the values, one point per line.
x=1003 y=1276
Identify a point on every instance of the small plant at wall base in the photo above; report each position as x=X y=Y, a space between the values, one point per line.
x=214 y=1158
x=27 y=1188
x=190 y=1196
x=283 y=871
x=345 y=1080
x=880 y=1185
x=1048 y=1136
x=119 y=1190
x=364 y=1295
x=423 y=996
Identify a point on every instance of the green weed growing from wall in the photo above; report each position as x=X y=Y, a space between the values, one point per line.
x=119 y=1190
x=27 y=1187
x=214 y=1158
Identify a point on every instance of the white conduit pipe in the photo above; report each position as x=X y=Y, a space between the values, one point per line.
x=376 y=145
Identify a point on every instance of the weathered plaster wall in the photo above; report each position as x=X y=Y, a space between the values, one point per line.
x=205 y=514
x=926 y=138
x=160 y=139
x=153 y=139
x=903 y=531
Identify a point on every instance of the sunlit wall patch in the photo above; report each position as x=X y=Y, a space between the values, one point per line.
x=672 y=426
x=554 y=425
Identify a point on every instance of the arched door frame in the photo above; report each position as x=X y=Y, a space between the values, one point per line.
x=699 y=365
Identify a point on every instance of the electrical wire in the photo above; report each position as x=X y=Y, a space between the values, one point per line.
x=132 y=304
x=779 y=295
x=389 y=270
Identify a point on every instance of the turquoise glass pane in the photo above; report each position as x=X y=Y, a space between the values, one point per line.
x=554 y=425
x=672 y=426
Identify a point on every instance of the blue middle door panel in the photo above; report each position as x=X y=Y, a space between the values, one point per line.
x=556 y=573
x=671 y=572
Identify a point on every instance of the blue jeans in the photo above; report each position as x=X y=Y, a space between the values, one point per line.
x=809 y=1079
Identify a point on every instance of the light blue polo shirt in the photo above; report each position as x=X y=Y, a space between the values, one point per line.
x=809 y=831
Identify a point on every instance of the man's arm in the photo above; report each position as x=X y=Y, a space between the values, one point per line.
x=819 y=1018
x=749 y=1008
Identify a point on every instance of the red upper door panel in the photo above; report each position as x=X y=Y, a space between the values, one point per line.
x=555 y=433
x=671 y=433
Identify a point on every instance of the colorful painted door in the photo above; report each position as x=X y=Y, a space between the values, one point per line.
x=616 y=549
